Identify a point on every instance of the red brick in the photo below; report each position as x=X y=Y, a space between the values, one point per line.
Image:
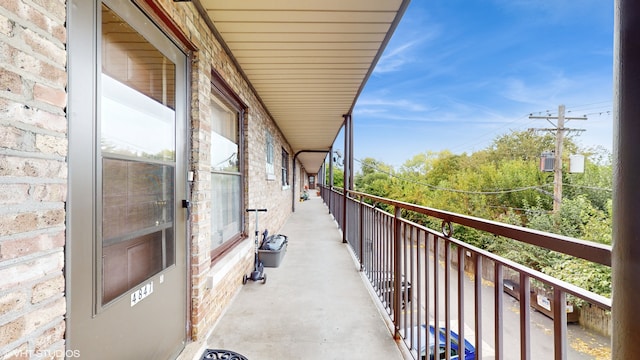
x=59 y=32
x=6 y=26
x=10 y=81
x=47 y=289
x=16 y=139
x=12 y=331
x=37 y=18
x=49 y=192
x=31 y=167
x=11 y=5
x=22 y=60
x=11 y=194
x=50 y=337
x=12 y=302
x=55 y=7
x=30 y=271
x=48 y=144
x=11 y=224
x=35 y=320
x=15 y=248
x=19 y=113
x=57 y=97
x=43 y=46
x=54 y=73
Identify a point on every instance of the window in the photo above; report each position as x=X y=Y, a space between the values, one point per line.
x=271 y=175
x=226 y=167
x=285 y=168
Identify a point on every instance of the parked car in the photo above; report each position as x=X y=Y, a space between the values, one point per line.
x=456 y=352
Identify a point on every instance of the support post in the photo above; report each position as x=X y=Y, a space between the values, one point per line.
x=625 y=257
x=330 y=184
x=557 y=165
x=344 y=182
x=348 y=183
x=558 y=131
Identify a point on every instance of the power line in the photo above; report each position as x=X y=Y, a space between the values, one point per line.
x=587 y=187
x=520 y=209
x=502 y=127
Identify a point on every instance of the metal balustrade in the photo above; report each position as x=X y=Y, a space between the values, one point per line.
x=427 y=276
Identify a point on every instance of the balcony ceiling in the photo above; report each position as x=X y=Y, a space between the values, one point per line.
x=307 y=60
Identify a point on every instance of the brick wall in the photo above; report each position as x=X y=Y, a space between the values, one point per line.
x=214 y=285
x=33 y=177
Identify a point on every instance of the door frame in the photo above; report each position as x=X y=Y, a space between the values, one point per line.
x=82 y=223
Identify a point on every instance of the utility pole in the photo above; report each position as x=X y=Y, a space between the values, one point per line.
x=559 y=131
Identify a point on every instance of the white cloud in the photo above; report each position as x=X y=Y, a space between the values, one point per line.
x=395 y=57
x=389 y=103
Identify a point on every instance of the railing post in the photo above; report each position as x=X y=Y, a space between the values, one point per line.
x=559 y=324
x=525 y=319
x=361 y=233
x=461 y=318
x=478 y=306
x=344 y=216
x=499 y=306
x=447 y=294
x=397 y=276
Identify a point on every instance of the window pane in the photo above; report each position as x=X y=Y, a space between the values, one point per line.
x=135 y=196
x=137 y=223
x=225 y=208
x=138 y=93
x=130 y=59
x=270 y=168
x=135 y=125
x=285 y=168
x=224 y=138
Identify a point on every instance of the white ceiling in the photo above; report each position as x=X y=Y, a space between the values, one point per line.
x=307 y=60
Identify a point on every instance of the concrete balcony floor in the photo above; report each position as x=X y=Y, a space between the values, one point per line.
x=315 y=305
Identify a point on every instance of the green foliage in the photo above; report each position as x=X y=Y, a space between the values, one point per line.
x=338 y=178
x=504 y=183
x=582 y=273
x=374 y=178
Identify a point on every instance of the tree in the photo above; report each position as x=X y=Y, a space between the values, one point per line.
x=338 y=177
x=374 y=177
x=504 y=183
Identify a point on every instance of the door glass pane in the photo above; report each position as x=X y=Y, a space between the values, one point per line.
x=137 y=223
x=138 y=93
x=134 y=124
x=137 y=134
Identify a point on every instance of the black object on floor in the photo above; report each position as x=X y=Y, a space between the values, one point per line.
x=221 y=354
x=258 y=267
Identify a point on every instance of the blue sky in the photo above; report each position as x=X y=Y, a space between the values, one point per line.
x=458 y=73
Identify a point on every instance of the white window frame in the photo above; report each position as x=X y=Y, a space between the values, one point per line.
x=270 y=167
x=285 y=169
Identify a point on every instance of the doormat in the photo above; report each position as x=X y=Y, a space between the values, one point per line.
x=221 y=354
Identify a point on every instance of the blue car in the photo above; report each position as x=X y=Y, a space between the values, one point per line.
x=456 y=352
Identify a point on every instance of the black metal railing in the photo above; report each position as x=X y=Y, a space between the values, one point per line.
x=428 y=277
